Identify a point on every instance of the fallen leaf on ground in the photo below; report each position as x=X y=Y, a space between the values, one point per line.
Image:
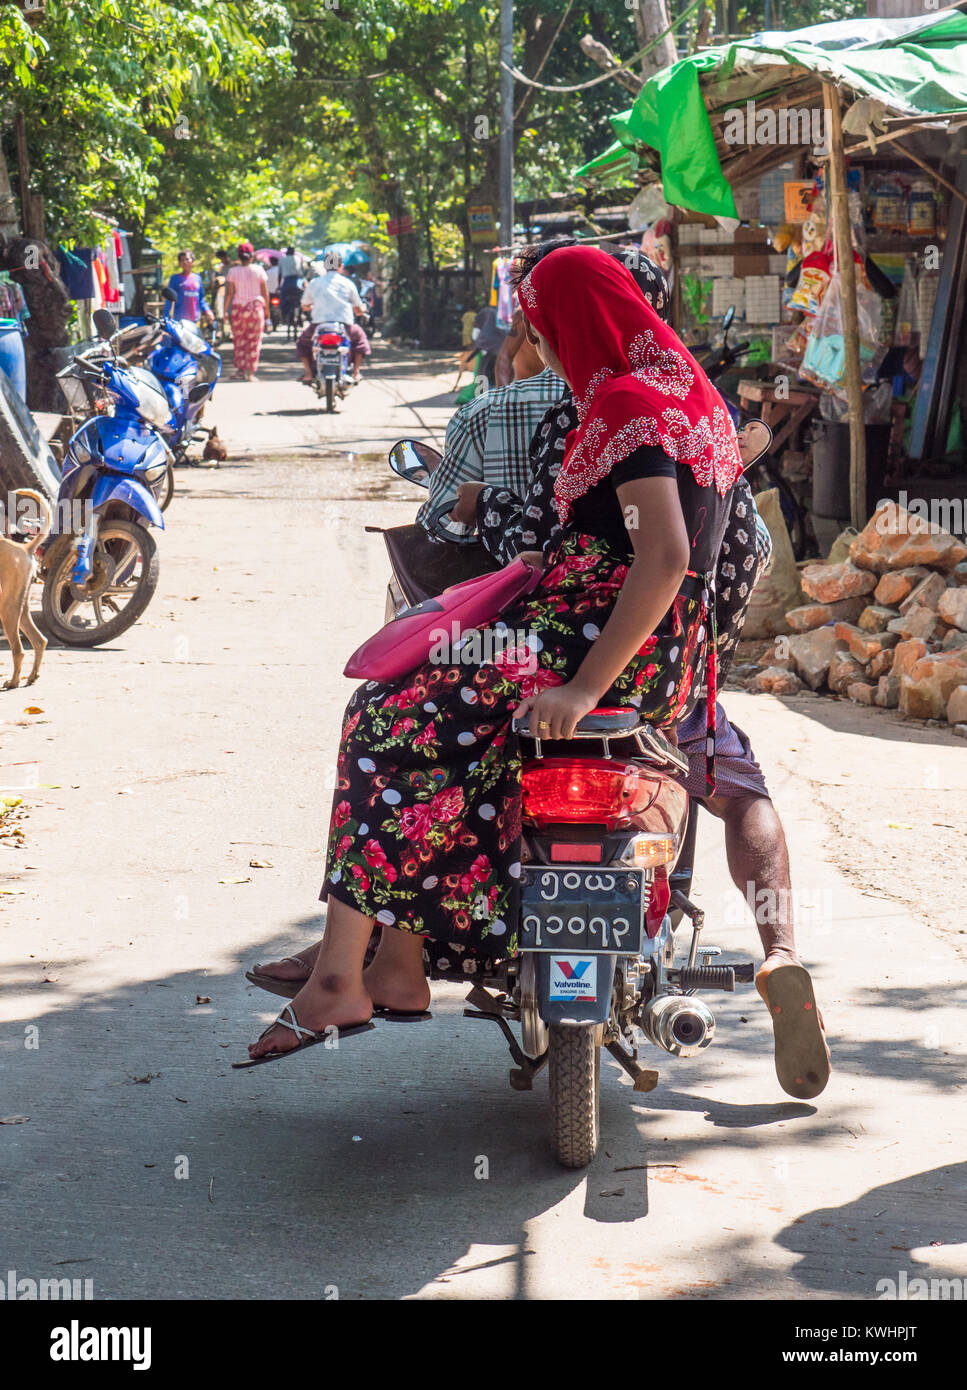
x=203 y=999
x=13 y=892
x=145 y=1080
x=236 y=880
x=14 y=1119
x=33 y=709
x=260 y=864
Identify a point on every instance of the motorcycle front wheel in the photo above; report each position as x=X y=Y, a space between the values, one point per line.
x=122 y=584
x=167 y=489
x=574 y=1077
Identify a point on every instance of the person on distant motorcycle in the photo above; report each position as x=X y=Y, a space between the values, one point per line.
x=333 y=298
x=290 y=285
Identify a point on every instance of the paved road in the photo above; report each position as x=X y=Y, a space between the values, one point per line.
x=204 y=738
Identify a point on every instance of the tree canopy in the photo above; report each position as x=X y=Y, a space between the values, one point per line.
x=199 y=121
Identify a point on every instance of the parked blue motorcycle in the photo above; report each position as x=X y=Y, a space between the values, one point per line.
x=100 y=567
x=182 y=361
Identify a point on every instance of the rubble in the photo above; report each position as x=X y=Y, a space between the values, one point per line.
x=843 y=670
x=811 y=653
x=957 y=705
x=952 y=607
x=830 y=583
x=894 y=539
x=888 y=626
x=875 y=618
x=776 y=680
x=811 y=615
x=896 y=584
x=862 y=692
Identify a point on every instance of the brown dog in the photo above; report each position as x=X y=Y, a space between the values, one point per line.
x=17 y=569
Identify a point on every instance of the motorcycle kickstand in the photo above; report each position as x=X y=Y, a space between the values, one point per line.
x=491 y=1007
x=645 y=1078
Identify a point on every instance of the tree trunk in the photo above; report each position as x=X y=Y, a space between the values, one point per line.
x=9 y=225
x=49 y=306
x=651 y=19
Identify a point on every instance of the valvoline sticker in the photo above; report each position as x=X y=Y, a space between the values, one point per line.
x=574 y=977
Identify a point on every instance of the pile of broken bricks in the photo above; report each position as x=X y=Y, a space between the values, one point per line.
x=886 y=627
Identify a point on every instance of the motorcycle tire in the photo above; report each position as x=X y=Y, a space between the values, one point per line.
x=574 y=1077
x=330 y=396
x=167 y=490
x=60 y=557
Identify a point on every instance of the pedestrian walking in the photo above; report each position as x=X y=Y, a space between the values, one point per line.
x=247 y=306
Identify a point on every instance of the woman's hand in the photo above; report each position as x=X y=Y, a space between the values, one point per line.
x=465 y=507
x=535 y=558
x=555 y=713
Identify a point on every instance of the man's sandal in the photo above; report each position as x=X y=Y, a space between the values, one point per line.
x=288 y=989
x=802 y=1057
x=307 y=1038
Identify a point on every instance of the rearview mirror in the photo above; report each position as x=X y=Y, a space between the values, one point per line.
x=413 y=460
x=168 y=294
x=727 y=317
x=104 y=324
x=199 y=391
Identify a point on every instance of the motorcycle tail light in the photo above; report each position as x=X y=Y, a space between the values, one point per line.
x=594 y=790
x=647 y=851
x=329 y=339
x=577 y=854
x=659 y=896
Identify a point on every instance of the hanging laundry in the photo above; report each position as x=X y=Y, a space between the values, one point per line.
x=76 y=271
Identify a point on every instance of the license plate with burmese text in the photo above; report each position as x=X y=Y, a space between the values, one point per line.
x=582 y=910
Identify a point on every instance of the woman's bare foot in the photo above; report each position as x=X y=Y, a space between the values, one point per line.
x=390 y=988
x=297 y=967
x=332 y=1002
x=390 y=985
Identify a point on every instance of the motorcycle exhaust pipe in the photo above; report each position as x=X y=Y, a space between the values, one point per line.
x=679 y=1023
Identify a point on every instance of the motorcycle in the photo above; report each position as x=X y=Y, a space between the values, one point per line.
x=330 y=363
x=275 y=311
x=606 y=867
x=184 y=362
x=766 y=472
x=101 y=572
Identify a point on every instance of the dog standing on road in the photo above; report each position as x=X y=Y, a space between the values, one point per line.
x=17 y=569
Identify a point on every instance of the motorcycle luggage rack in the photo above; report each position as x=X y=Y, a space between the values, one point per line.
x=605 y=725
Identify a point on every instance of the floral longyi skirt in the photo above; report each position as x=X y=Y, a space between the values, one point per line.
x=426 y=820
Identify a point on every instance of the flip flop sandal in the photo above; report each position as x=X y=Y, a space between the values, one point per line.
x=307 y=1038
x=802 y=1057
x=288 y=989
x=389 y=1015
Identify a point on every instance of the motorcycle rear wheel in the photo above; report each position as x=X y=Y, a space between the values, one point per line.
x=115 y=543
x=574 y=1076
x=330 y=396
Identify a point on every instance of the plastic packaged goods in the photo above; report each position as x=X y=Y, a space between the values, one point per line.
x=922 y=210
x=888 y=205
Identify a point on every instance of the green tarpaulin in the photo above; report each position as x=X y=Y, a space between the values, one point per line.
x=916 y=67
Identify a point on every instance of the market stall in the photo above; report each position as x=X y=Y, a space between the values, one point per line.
x=816 y=181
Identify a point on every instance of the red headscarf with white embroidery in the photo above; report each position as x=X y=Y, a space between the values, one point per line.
x=633 y=379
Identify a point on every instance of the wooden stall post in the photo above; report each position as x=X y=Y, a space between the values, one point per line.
x=842 y=241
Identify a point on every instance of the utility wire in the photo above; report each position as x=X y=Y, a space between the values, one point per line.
x=596 y=81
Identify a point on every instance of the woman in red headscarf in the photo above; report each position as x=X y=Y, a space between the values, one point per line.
x=425 y=832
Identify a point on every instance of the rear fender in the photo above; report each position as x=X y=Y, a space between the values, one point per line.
x=591 y=975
